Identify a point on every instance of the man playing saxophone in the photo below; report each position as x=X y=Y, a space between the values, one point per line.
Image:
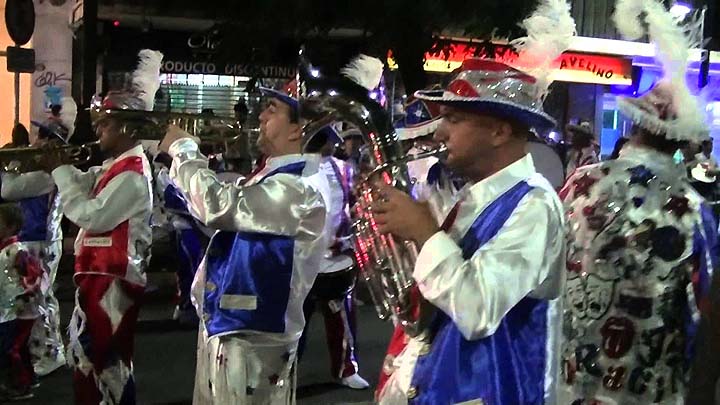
x=494 y=264
x=261 y=262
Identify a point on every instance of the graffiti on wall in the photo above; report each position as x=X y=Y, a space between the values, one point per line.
x=53 y=85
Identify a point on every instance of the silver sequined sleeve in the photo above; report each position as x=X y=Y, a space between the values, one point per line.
x=282 y=204
x=17 y=187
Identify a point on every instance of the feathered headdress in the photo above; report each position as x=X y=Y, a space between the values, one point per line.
x=68 y=114
x=146 y=78
x=145 y=83
x=365 y=71
x=550 y=30
x=669 y=109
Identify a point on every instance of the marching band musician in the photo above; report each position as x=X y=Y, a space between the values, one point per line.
x=190 y=239
x=491 y=262
x=490 y=344
x=259 y=265
x=643 y=244
x=417 y=127
x=112 y=205
x=37 y=197
x=333 y=290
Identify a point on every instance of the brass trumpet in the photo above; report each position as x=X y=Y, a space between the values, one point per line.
x=23 y=160
x=152 y=125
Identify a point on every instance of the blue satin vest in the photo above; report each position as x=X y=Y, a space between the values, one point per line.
x=506 y=368
x=35 y=218
x=245 y=265
x=174 y=200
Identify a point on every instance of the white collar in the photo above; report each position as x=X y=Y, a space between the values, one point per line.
x=490 y=188
x=311 y=161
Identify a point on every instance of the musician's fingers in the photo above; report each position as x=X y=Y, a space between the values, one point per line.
x=380 y=207
x=383 y=188
x=390 y=194
x=381 y=221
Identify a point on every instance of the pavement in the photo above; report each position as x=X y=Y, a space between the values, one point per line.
x=165 y=354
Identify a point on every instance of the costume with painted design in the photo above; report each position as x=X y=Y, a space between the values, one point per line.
x=642 y=248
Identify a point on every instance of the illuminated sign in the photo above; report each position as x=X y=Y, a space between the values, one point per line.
x=231 y=69
x=569 y=67
x=590 y=68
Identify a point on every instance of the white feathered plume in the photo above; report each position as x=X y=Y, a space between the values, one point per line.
x=627 y=18
x=672 y=48
x=146 y=78
x=68 y=114
x=365 y=71
x=550 y=30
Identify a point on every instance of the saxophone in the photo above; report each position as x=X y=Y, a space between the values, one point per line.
x=385 y=262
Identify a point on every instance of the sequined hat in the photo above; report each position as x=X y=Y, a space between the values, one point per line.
x=420 y=119
x=288 y=94
x=658 y=112
x=669 y=109
x=491 y=87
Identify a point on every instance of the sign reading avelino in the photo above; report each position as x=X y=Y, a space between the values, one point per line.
x=569 y=67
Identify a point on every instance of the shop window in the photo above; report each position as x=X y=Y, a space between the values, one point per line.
x=610 y=119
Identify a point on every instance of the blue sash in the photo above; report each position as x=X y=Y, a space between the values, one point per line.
x=507 y=367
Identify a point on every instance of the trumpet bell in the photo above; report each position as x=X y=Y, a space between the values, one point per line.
x=24 y=160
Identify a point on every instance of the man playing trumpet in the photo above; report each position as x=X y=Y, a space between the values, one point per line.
x=112 y=205
x=261 y=262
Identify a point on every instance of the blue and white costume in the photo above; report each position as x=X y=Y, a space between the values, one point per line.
x=250 y=288
x=37 y=196
x=190 y=239
x=495 y=276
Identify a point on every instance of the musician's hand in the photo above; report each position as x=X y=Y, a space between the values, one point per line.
x=173 y=134
x=397 y=213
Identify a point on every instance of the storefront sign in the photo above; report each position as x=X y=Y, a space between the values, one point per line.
x=589 y=68
x=230 y=69
x=570 y=67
